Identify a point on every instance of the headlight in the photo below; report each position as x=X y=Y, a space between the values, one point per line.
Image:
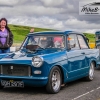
x=37 y=61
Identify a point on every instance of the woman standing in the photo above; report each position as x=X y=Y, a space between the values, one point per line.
x=6 y=36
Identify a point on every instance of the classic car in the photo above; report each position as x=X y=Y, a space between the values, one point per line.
x=49 y=59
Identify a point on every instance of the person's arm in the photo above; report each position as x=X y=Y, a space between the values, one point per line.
x=31 y=30
x=10 y=39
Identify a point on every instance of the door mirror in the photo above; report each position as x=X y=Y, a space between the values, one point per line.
x=87 y=40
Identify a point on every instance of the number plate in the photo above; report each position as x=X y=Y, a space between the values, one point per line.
x=12 y=83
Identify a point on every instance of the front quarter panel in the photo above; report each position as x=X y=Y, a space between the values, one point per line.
x=55 y=59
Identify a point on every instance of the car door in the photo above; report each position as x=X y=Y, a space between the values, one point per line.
x=86 y=51
x=76 y=57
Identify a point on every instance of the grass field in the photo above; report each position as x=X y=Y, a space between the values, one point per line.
x=91 y=37
x=20 y=33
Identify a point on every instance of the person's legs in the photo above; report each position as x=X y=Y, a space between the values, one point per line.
x=6 y=50
x=1 y=51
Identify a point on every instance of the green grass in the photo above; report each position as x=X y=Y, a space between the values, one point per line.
x=91 y=37
x=20 y=32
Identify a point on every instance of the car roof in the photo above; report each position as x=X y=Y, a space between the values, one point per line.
x=97 y=32
x=54 y=32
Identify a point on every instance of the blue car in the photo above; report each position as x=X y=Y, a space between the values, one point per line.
x=49 y=59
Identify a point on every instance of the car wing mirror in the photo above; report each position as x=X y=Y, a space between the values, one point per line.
x=87 y=40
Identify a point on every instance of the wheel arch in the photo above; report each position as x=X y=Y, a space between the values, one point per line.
x=94 y=62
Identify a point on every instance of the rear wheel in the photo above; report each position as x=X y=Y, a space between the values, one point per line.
x=54 y=81
x=91 y=72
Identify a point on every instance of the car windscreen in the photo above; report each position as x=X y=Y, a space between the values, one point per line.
x=45 y=41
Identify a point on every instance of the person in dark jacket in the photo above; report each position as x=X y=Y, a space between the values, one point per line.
x=6 y=36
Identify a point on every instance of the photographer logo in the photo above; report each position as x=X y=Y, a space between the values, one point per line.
x=89 y=8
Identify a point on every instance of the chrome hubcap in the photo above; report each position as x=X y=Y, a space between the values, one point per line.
x=56 y=80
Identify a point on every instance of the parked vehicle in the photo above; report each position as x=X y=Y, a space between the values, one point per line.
x=97 y=39
x=97 y=45
x=49 y=59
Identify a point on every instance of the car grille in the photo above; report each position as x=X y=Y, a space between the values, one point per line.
x=15 y=70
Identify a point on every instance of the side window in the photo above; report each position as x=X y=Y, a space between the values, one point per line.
x=82 y=42
x=72 y=42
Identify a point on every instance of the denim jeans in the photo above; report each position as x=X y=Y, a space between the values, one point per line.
x=5 y=50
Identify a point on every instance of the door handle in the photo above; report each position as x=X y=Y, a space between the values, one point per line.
x=83 y=53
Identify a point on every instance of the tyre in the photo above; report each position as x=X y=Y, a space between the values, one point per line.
x=1 y=87
x=97 y=68
x=54 y=81
x=91 y=72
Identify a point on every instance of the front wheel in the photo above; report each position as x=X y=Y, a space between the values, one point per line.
x=54 y=81
x=91 y=72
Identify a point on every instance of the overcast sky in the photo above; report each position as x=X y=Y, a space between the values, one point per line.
x=55 y=14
